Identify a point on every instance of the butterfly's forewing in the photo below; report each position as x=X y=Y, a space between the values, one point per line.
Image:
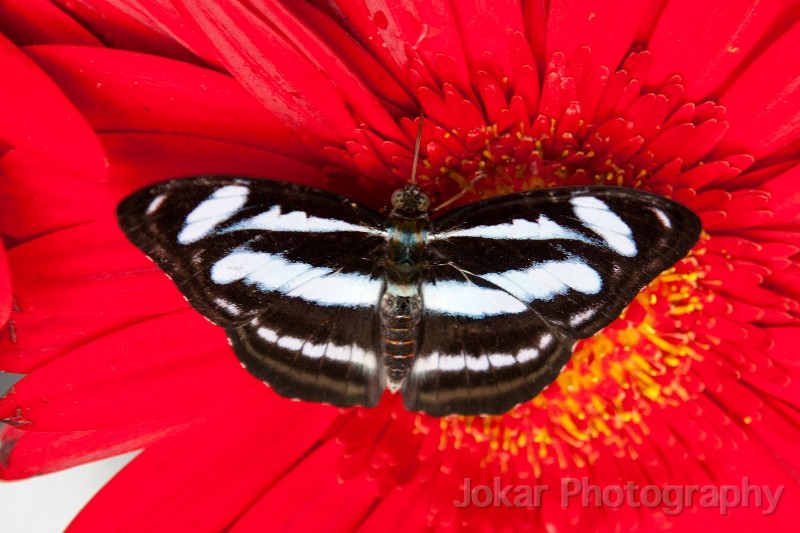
x=265 y=260
x=562 y=264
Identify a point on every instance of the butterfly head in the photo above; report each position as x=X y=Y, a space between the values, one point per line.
x=410 y=202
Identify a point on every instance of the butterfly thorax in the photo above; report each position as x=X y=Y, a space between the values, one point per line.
x=407 y=231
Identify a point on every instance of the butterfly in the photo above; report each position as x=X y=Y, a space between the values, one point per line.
x=469 y=313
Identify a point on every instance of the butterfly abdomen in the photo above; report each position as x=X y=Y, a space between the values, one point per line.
x=401 y=303
x=400 y=317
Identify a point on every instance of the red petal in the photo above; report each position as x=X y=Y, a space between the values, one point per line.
x=535 y=16
x=272 y=69
x=208 y=476
x=31 y=453
x=776 y=435
x=492 y=27
x=404 y=508
x=759 y=457
x=390 y=26
x=138 y=26
x=159 y=368
x=784 y=354
x=369 y=69
x=344 y=81
x=37 y=196
x=55 y=161
x=763 y=104
x=5 y=288
x=600 y=26
x=118 y=90
x=704 y=53
x=76 y=285
x=784 y=199
x=167 y=156
x=38 y=119
x=293 y=503
x=42 y=22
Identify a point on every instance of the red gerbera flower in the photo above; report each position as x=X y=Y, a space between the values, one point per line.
x=695 y=385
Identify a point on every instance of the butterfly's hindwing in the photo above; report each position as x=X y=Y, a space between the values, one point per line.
x=265 y=260
x=515 y=280
x=481 y=351
x=304 y=351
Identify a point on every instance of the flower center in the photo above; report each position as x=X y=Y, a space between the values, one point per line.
x=589 y=127
x=526 y=157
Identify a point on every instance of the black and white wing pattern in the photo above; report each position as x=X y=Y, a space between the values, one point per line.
x=265 y=261
x=295 y=276
x=512 y=283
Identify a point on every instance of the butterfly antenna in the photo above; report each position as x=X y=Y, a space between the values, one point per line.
x=480 y=175
x=417 y=143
